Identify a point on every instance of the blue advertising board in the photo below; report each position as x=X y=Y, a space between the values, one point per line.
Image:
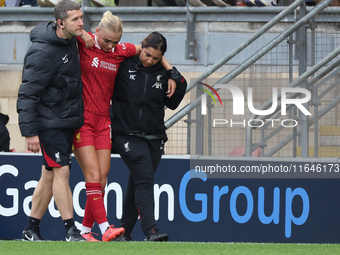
x=189 y=205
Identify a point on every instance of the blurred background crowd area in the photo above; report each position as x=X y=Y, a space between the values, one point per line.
x=134 y=3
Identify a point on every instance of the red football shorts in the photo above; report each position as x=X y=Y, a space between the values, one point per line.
x=96 y=131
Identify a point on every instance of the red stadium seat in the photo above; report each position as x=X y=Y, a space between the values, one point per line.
x=240 y=151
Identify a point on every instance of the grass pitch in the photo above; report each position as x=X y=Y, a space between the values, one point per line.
x=140 y=248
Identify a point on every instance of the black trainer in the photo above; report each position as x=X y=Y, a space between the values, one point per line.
x=126 y=237
x=73 y=235
x=156 y=236
x=32 y=234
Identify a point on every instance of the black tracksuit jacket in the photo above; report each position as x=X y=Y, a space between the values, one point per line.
x=139 y=99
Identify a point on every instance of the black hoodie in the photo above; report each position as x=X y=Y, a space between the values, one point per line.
x=50 y=96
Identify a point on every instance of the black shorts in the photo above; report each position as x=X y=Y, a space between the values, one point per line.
x=56 y=147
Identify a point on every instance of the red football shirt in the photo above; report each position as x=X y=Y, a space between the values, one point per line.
x=98 y=73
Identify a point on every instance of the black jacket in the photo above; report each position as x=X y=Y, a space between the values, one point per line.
x=139 y=99
x=50 y=96
x=4 y=134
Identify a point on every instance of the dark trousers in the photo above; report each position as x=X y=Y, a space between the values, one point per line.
x=4 y=137
x=142 y=157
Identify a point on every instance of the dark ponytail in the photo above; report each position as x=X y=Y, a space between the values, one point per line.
x=156 y=41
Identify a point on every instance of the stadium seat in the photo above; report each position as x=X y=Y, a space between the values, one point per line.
x=240 y=151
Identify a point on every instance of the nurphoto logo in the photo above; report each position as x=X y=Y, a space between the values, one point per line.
x=204 y=97
x=238 y=103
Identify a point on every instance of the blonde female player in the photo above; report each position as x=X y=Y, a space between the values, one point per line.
x=92 y=142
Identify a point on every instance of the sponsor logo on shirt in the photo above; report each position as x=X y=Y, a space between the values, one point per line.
x=132 y=77
x=157 y=85
x=95 y=62
x=109 y=66
x=102 y=64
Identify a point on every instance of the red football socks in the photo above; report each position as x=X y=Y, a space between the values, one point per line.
x=94 y=209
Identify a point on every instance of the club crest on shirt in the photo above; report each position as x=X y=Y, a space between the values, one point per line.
x=158 y=84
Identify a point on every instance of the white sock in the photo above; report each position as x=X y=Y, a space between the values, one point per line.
x=85 y=230
x=103 y=226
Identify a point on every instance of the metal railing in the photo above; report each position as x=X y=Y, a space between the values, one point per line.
x=192 y=15
x=318 y=80
x=229 y=56
x=240 y=68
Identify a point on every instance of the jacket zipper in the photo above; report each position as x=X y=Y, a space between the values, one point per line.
x=141 y=110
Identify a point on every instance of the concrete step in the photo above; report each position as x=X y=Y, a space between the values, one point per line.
x=329 y=136
x=329 y=142
x=329 y=131
x=324 y=151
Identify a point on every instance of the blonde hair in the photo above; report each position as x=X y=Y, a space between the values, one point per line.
x=111 y=22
